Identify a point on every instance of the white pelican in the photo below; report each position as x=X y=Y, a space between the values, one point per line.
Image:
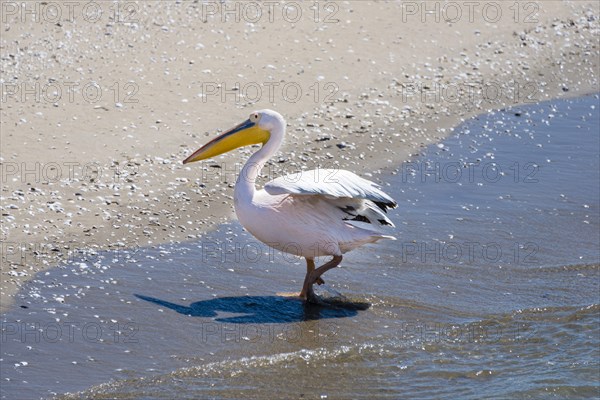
x=322 y=212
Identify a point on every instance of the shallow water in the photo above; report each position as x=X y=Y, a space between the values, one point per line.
x=491 y=290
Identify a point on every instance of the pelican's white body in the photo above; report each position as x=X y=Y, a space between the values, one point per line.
x=304 y=214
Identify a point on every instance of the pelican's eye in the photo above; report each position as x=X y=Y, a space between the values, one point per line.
x=254 y=117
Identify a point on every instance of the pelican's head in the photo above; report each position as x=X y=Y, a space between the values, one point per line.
x=258 y=128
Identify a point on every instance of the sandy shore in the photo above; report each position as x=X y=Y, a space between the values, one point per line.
x=101 y=104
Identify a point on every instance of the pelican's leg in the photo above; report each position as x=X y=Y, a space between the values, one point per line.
x=314 y=276
x=310 y=267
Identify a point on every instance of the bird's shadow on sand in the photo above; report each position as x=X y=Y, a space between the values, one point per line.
x=262 y=309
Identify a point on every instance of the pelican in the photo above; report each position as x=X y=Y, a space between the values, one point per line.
x=321 y=212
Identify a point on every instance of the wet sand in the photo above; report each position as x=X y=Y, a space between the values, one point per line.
x=99 y=106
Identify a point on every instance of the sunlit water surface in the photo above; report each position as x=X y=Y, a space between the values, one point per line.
x=491 y=290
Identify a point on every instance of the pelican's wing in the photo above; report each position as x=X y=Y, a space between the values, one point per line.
x=330 y=183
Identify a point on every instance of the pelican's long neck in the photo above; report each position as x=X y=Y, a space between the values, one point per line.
x=246 y=181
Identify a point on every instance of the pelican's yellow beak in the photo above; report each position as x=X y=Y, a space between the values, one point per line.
x=244 y=134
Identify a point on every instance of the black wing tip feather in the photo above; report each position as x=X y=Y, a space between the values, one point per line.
x=385 y=205
x=360 y=218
